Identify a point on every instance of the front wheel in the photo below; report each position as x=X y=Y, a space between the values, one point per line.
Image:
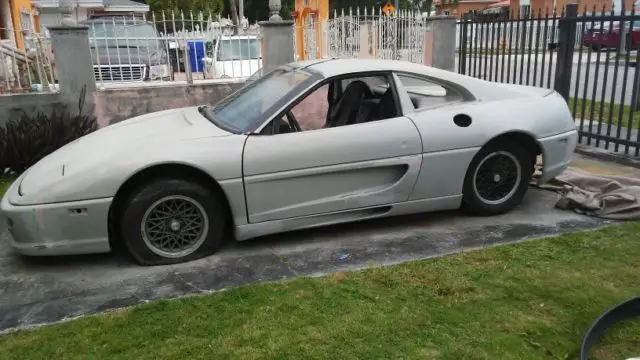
x=497 y=179
x=171 y=221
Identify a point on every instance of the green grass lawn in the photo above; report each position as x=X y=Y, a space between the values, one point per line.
x=533 y=300
x=607 y=110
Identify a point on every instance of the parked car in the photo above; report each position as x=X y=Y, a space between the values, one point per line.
x=126 y=51
x=606 y=36
x=235 y=56
x=395 y=138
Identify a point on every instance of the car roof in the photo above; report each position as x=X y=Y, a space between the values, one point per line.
x=478 y=88
x=336 y=67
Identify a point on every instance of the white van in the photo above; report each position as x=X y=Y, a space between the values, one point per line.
x=235 y=56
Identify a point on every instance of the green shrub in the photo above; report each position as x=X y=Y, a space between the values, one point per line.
x=28 y=139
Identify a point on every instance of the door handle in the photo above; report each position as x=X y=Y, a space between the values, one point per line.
x=462 y=120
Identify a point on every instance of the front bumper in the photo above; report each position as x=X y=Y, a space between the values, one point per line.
x=69 y=228
x=557 y=153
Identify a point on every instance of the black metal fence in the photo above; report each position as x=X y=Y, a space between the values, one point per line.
x=589 y=57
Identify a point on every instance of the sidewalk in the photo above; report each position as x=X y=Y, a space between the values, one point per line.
x=601 y=151
x=600 y=167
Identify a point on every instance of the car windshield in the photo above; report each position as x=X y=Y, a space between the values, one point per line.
x=120 y=35
x=239 y=49
x=249 y=106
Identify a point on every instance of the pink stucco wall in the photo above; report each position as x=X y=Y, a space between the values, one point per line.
x=114 y=105
x=312 y=111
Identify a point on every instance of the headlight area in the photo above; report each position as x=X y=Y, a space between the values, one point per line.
x=159 y=72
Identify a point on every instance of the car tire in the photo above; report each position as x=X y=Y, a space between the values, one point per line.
x=170 y=220
x=497 y=179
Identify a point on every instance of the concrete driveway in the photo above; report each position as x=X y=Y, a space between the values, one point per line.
x=43 y=290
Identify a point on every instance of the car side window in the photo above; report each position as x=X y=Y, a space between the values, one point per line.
x=342 y=102
x=425 y=93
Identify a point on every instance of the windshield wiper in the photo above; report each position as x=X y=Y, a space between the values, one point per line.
x=206 y=111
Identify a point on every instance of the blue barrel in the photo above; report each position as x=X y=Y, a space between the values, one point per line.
x=196 y=53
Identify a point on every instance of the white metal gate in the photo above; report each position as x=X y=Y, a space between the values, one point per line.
x=398 y=36
x=343 y=37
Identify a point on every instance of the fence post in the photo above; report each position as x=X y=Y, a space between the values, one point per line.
x=277 y=37
x=440 y=42
x=566 y=43
x=73 y=63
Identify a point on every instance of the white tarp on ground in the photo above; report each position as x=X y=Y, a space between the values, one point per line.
x=606 y=196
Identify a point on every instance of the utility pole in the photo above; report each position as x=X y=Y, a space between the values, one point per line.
x=241 y=10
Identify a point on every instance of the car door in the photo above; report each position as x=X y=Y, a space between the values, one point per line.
x=448 y=128
x=325 y=170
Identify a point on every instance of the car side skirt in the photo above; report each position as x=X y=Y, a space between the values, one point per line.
x=249 y=231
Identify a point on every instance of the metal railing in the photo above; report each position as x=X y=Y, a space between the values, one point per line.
x=543 y=31
x=591 y=58
x=168 y=47
x=27 y=69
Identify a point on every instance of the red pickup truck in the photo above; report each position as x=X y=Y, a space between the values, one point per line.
x=609 y=37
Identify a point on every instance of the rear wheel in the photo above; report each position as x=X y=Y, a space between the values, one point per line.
x=497 y=179
x=169 y=221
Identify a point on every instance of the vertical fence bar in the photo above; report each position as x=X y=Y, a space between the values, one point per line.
x=510 y=46
x=503 y=47
x=530 y=20
x=516 y=47
x=583 y=101
x=623 y=95
x=633 y=104
x=576 y=100
x=537 y=48
x=472 y=47
x=554 y=22
x=546 y=43
x=491 y=54
x=483 y=50
x=603 y=90
x=463 y=49
x=592 y=104
x=521 y=48
x=499 y=55
x=615 y=82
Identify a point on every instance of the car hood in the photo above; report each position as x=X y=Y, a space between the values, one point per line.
x=116 y=142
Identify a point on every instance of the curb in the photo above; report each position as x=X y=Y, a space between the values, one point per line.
x=626 y=160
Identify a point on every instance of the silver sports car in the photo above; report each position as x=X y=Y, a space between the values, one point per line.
x=309 y=144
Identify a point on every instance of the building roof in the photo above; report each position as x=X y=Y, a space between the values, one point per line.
x=107 y=5
x=124 y=5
